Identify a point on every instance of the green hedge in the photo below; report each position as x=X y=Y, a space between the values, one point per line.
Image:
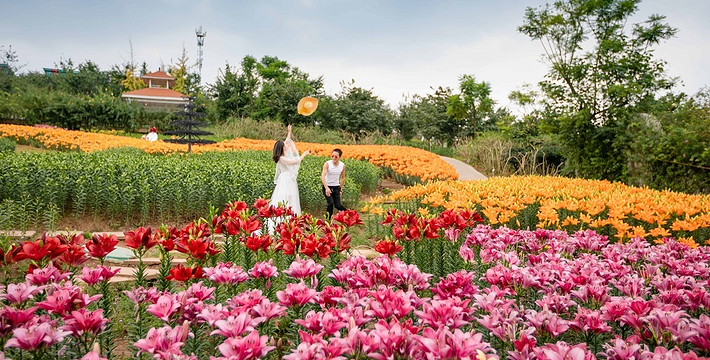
x=129 y=185
x=7 y=145
x=77 y=112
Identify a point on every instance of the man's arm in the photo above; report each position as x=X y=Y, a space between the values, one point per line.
x=322 y=179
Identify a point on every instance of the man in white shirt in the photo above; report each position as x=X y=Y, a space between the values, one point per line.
x=333 y=179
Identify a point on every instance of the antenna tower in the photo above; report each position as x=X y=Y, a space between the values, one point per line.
x=200 y=42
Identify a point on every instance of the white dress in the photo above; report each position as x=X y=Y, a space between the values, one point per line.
x=286 y=190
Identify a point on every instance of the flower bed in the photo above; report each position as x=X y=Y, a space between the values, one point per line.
x=410 y=165
x=540 y=294
x=130 y=185
x=612 y=209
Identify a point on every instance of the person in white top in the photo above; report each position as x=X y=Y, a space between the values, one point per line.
x=152 y=135
x=333 y=179
x=287 y=163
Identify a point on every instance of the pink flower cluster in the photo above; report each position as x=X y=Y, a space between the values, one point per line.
x=45 y=310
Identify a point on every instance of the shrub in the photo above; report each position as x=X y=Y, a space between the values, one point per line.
x=7 y=145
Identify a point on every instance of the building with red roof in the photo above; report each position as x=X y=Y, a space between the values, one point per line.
x=158 y=94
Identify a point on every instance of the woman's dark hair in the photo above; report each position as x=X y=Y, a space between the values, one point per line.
x=278 y=150
x=340 y=152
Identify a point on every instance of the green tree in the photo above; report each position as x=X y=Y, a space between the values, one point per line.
x=186 y=82
x=359 y=111
x=87 y=79
x=282 y=86
x=235 y=91
x=598 y=72
x=8 y=68
x=472 y=104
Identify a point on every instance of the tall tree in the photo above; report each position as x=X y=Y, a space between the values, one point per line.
x=235 y=89
x=359 y=111
x=186 y=82
x=598 y=71
x=472 y=104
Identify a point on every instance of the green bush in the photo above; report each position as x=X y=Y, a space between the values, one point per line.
x=130 y=185
x=77 y=112
x=7 y=145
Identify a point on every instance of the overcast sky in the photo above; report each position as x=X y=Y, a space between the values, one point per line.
x=393 y=47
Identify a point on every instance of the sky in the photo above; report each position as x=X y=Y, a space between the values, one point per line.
x=396 y=48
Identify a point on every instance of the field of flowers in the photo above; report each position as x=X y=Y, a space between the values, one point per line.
x=408 y=165
x=130 y=186
x=529 y=202
x=295 y=294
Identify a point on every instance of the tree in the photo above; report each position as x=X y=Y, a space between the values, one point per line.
x=235 y=90
x=598 y=72
x=428 y=114
x=282 y=86
x=359 y=111
x=87 y=79
x=186 y=82
x=472 y=104
x=8 y=67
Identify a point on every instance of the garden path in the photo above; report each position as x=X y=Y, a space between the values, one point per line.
x=466 y=171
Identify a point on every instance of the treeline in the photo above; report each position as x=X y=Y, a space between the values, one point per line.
x=605 y=110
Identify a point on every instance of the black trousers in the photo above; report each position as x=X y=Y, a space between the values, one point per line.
x=333 y=200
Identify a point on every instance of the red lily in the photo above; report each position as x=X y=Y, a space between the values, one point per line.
x=389 y=247
x=254 y=243
x=348 y=218
x=101 y=245
x=140 y=238
x=167 y=236
x=182 y=273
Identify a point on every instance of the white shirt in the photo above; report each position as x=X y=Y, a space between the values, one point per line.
x=332 y=177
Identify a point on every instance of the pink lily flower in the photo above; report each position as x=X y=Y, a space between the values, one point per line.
x=19 y=293
x=226 y=273
x=165 y=342
x=562 y=351
x=83 y=321
x=165 y=307
x=252 y=346
x=296 y=295
x=268 y=310
x=48 y=274
x=235 y=326
x=33 y=336
x=264 y=269
x=303 y=269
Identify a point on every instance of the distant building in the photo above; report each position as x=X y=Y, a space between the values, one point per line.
x=158 y=94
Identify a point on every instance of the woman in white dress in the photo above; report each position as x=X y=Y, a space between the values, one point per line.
x=287 y=163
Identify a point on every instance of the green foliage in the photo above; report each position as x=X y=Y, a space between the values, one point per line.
x=428 y=114
x=670 y=148
x=7 y=144
x=129 y=185
x=496 y=154
x=75 y=112
x=472 y=104
x=598 y=73
x=357 y=111
x=234 y=92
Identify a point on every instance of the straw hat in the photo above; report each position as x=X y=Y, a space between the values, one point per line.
x=307 y=105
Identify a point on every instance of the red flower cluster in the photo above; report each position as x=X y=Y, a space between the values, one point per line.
x=141 y=238
x=410 y=227
x=195 y=241
x=183 y=273
x=348 y=218
x=101 y=245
